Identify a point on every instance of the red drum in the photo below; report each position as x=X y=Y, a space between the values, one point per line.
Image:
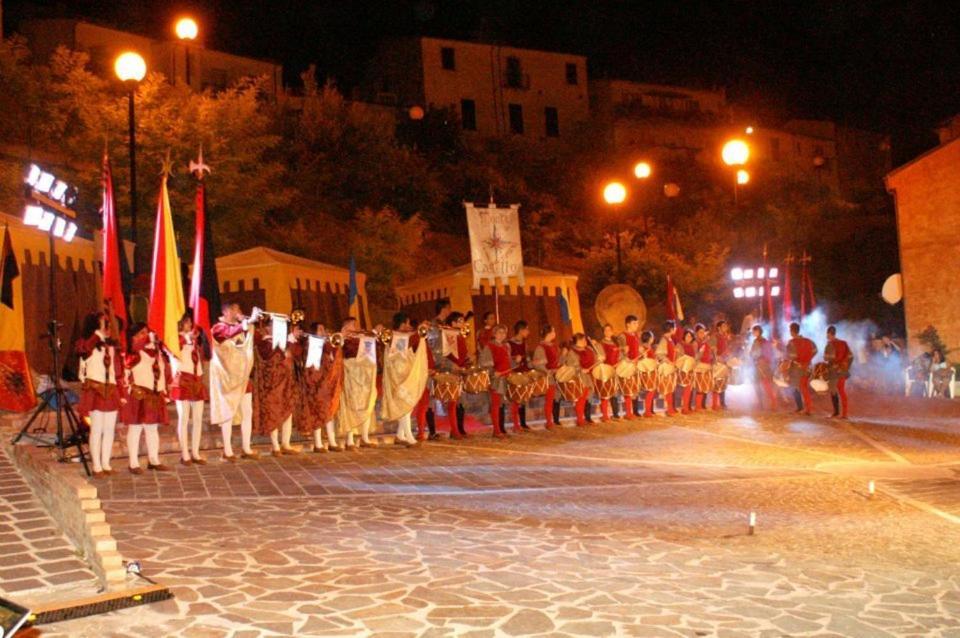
x=666 y=378
x=604 y=381
x=476 y=381
x=647 y=372
x=540 y=381
x=721 y=376
x=519 y=387
x=628 y=378
x=446 y=387
x=703 y=377
x=569 y=383
x=820 y=381
x=685 y=366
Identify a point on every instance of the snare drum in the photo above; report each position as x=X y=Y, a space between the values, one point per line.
x=476 y=381
x=703 y=377
x=819 y=382
x=519 y=387
x=446 y=387
x=627 y=378
x=666 y=378
x=604 y=380
x=540 y=381
x=685 y=366
x=647 y=372
x=569 y=383
x=721 y=376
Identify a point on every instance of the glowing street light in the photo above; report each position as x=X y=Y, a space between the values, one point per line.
x=130 y=67
x=735 y=153
x=186 y=29
x=615 y=194
x=743 y=177
x=642 y=170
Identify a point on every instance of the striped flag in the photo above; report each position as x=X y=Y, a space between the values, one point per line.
x=354 y=291
x=204 y=287
x=564 y=308
x=166 y=287
x=674 y=308
x=114 y=300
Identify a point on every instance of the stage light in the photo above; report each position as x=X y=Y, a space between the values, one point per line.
x=46 y=221
x=760 y=291
x=45 y=182
x=33 y=176
x=760 y=272
x=773 y=273
x=59 y=226
x=70 y=233
x=774 y=291
x=59 y=190
x=736 y=274
x=750 y=292
x=738 y=292
x=32 y=215
x=748 y=273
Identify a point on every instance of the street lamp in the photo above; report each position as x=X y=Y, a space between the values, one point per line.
x=743 y=177
x=130 y=67
x=615 y=194
x=736 y=152
x=642 y=171
x=186 y=30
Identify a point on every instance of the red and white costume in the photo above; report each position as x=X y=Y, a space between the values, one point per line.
x=148 y=381
x=101 y=372
x=457 y=360
x=800 y=352
x=420 y=411
x=611 y=356
x=583 y=360
x=546 y=359
x=189 y=392
x=666 y=353
x=839 y=357
x=496 y=358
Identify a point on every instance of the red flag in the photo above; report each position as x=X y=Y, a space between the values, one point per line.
x=787 y=293
x=808 y=285
x=674 y=309
x=114 y=300
x=166 y=287
x=204 y=287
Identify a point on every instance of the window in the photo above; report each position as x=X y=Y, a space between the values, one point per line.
x=448 y=58
x=468 y=115
x=572 y=73
x=514 y=73
x=516 y=118
x=552 y=121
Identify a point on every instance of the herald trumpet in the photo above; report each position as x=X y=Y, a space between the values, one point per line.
x=272 y=315
x=465 y=330
x=336 y=340
x=423 y=331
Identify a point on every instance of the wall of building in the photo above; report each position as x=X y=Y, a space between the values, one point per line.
x=927 y=196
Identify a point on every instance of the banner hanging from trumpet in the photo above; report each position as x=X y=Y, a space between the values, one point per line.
x=495 y=243
x=315 y=351
x=278 y=331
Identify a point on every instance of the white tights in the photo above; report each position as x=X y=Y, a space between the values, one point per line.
x=282 y=438
x=152 y=435
x=103 y=426
x=331 y=435
x=405 y=430
x=186 y=409
x=246 y=427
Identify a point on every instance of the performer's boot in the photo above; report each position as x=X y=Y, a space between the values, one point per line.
x=798 y=399
x=701 y=401
x=604 y=410
x=587 y=411
x=842 y=391
x=723 y=400
x=515 y=416
x=628 y=407
x=452 y=419
x=580 y=408
x=835 y=399
x=461 y=420
x=771 y=394
x=715 y=401
x=671 y=410
x=615 y=408
x=648 y=404
x=495 y=415
x=549 y=413
x=685 y=400
x=523 y=416
x=421 y=414
x=432 y=424
x=805 y=394
x=556 y=413
x=502 y=412
x=637 y=405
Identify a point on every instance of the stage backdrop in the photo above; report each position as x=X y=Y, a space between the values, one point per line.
x=537 y=302
x=280 y=282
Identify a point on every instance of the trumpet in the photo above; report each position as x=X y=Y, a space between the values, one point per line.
x=272 y=315
x=385 y=336
x=465 y=330
x=423 y=331
x=336 y=340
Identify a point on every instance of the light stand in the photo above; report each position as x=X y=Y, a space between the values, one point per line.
x=68 y=424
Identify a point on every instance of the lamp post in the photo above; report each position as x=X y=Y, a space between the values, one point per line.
x=130 y=68
x=735 y=153
x=642 y=171
x=186 y=30
x=614 y=194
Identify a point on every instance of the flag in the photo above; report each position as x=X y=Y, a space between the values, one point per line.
x=166 y=288
x=204 y=287
x=9 y=270
x=809 y=289
x=564 y=308
x=114 y=300
x=495 y=251
x=353 y=291
x=674 y=308
x=787 y=292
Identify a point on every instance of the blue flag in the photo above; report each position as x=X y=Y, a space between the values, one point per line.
x=564 y=308
x=352 y=294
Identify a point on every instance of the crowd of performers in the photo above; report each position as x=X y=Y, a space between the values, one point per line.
x=331 y=386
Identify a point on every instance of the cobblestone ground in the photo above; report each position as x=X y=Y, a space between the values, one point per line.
x=634 y=529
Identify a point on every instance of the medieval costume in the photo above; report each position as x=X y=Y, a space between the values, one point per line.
x=101 y=376
x=800 y=353
x=838 y=357
x=145 y=410
x=320 y=384
x=355 y=414
x=274 y=391
x=546 y=359
x=189 y=392
x=405 y=373
x=231 y=391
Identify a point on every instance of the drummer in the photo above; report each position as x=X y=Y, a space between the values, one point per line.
x=582 y=358
x=689 y=348
x=629 y=341
x=838 y=356
x=495 y=357
x=518 y=355
x=800 y=352
x=666 y=353
x=706 y=357
x=609 y=352
x=648 y=353
x=457 y=362
x=722 y=350
x=762 y=354
x=546 y=359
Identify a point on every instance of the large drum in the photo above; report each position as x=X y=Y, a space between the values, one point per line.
x=647 y=373
x=476 y=381
x=685 y=366
x=782 y=375
x=666 y=378
x=820 y=381
x=604 y=380
x=721 y=376
x=627 y=378
x=446 y=387
x=519 y=387
x=569 y=382
x=540 y=381
x=703 y=377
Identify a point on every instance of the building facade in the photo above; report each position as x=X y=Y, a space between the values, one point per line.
x=187 y=62
x=926 y=192
x=495 y=90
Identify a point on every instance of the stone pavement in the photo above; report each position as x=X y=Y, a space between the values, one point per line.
x=634 y=529
x=34 y=555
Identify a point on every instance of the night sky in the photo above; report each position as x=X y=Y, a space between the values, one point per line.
x=892 y=67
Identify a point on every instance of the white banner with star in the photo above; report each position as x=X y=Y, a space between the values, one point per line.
x=495 y=243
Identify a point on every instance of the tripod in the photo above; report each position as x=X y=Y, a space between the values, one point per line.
x=56 y=398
